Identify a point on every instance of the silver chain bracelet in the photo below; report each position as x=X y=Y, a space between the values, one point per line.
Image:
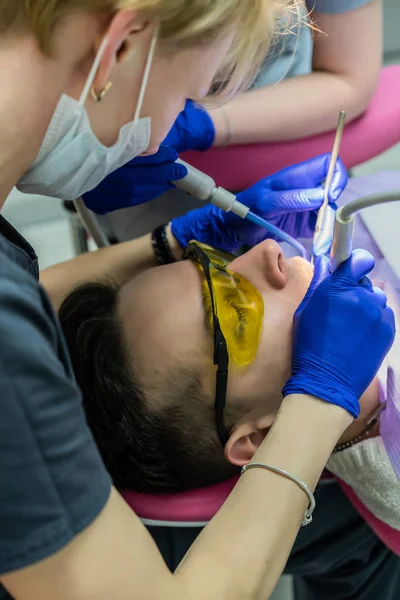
x=308 y=514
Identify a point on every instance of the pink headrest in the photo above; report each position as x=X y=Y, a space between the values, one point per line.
x=193 y=506
x=238 y=167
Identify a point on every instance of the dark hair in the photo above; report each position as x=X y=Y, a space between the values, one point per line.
x=150 y=439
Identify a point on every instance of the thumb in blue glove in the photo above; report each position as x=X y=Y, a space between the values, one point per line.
x=342 y=332
x=321 y=272
x=139 y=181
x=288 y=199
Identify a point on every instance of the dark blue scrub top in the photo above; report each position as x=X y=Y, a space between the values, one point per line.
x=52 y=480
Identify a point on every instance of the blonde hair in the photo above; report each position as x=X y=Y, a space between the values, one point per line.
x=182 y=23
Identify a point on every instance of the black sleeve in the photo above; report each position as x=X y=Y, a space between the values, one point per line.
x=52 y=480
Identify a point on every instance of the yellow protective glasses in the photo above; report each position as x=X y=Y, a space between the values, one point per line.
x=234 y=300
x=234 y=310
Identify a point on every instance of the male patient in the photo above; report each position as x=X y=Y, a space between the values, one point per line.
x=143 y=356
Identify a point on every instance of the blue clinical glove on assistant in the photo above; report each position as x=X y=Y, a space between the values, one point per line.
x=192 y=130
x=342 y=332
x=139 y=181
x=289 y=199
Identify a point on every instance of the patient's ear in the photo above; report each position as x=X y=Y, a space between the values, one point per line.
x=245 y=439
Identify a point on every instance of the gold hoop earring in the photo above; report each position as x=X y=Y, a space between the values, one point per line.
x=98 y=97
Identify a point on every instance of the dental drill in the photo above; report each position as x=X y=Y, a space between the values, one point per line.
x=202 y=186
x=342 y=245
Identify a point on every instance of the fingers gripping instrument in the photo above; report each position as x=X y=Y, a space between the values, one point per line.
x=196 y=183
x=202 y=186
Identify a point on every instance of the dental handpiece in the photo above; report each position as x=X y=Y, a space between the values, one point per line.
x=342 y=245
x=323 y=228
x=202 y=186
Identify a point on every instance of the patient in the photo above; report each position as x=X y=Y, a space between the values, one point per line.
x=143 y=356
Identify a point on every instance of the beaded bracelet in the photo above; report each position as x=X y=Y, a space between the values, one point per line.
x=161 y=247
x=373 y=420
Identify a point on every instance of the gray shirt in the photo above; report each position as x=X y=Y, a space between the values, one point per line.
x=52 y=480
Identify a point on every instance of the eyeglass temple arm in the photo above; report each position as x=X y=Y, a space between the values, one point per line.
x=221 y=359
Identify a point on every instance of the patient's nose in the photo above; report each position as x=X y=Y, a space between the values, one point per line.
x=265 y=263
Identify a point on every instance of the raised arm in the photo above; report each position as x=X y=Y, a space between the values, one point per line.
x=346 y=62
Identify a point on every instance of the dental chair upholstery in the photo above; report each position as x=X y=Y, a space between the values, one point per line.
x=186 y=509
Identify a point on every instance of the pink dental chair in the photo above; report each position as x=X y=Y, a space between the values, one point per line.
x=186 y=509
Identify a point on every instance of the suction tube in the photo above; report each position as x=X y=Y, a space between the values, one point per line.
x=342 y=245
x=277 y=233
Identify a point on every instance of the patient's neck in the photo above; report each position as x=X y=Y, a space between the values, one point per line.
x=369 y=401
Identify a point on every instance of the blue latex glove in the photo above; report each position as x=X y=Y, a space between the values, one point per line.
x=342 y=333
x=192 y=130
x=147 y=177
x=139 y=181
x=289 y=199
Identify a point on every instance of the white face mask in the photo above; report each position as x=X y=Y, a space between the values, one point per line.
x=71 y=160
